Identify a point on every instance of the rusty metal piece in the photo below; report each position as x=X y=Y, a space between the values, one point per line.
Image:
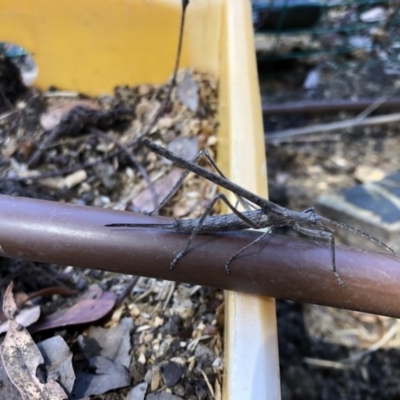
x=279 y=266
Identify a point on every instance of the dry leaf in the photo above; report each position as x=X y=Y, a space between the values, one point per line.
x=138 y=392
x=113 y=343
x=21 y=358
x=93 y=305
x=58 y=360
x=171 y=372
x=108 y=353
x=184 y=147
x=188 y=92
x=26 y=317
x=7 y=389
x=108 y=375
x=144 y=200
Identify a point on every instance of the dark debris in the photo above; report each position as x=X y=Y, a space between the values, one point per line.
x=172 y=325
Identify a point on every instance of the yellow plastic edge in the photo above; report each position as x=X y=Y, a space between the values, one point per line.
x=251 y=346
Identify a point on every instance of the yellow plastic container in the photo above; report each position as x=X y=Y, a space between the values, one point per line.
x=91 y=46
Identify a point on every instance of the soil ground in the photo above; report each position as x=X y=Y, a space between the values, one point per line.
x=314 y=342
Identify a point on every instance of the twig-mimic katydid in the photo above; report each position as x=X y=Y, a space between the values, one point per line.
x=268 y=215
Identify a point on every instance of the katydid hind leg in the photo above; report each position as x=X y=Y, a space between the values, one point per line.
x=202 y=220
x=314 y=233
x=178 y=184
x=243 y=249
x=245 y=204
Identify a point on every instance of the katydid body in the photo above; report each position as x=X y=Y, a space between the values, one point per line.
x=213 y=224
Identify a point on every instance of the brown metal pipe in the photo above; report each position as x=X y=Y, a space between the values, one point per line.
x=280 y=266
x=322 y=106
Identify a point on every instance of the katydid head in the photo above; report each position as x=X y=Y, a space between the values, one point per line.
x=312 y=217
x=316 y=220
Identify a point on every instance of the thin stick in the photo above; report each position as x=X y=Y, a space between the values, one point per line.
x=127 y=291
x=326 y=106
x=133 y=160
x=280 y=136
x=137 y=140
x=377 y=103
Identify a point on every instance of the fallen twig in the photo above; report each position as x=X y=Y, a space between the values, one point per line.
x=347 y=362
x=326 y=106
x=289 y=134
x=127 y=291
x=79 y=119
